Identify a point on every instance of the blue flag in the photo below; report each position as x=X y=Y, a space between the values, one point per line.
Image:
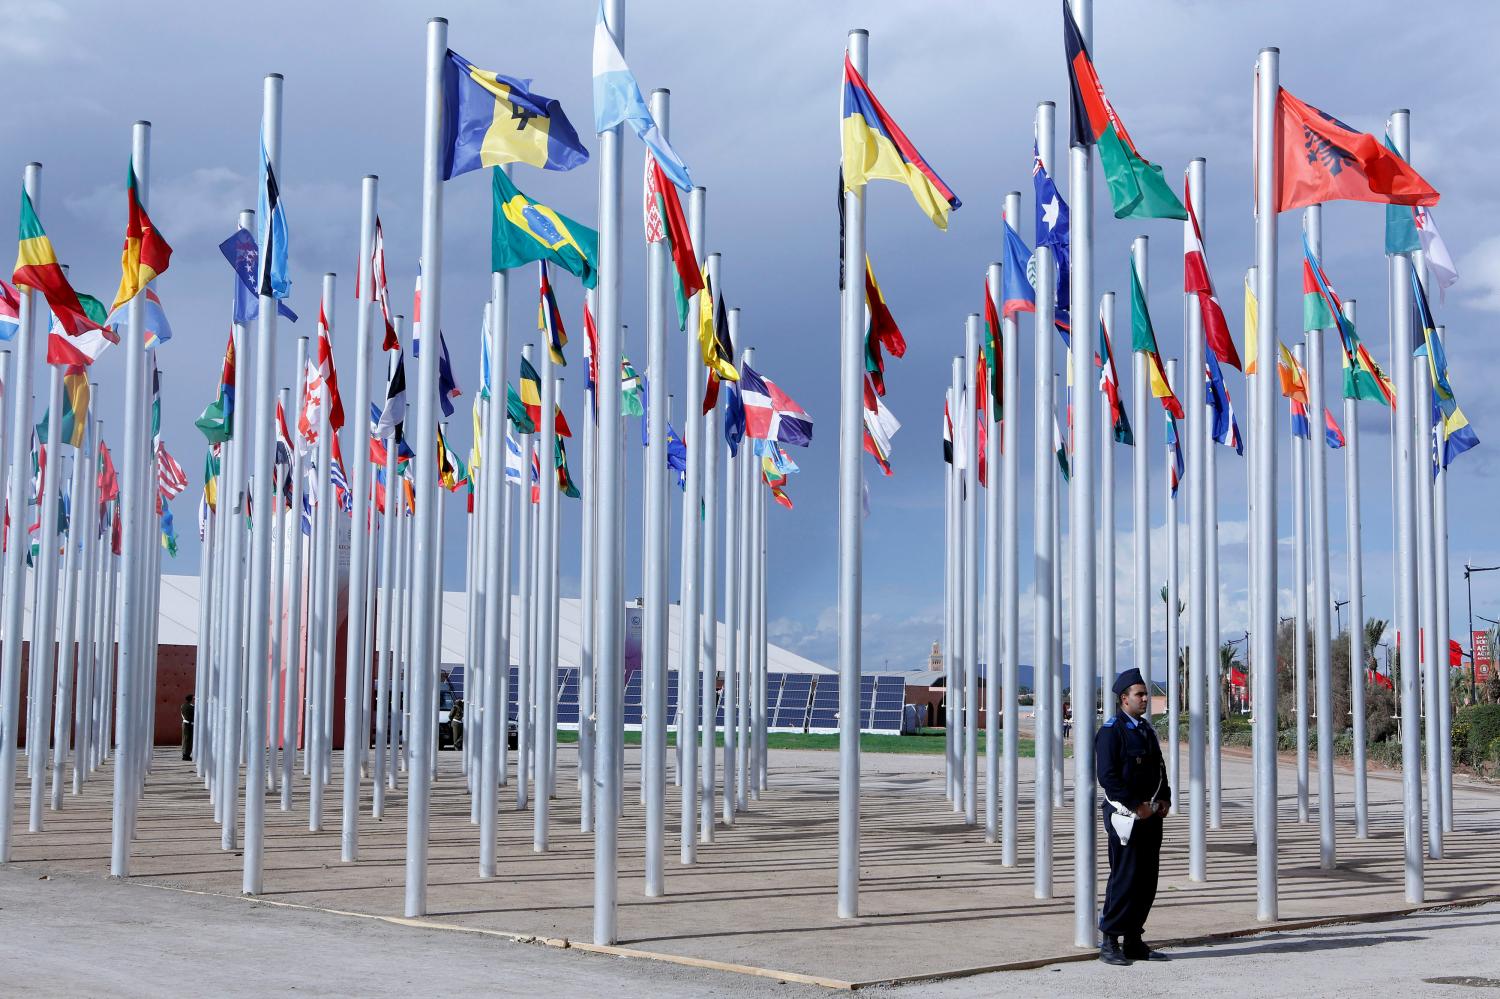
x=273 y=233
x=734 y=419
x=617 y=98
x=1052 y=231
x=244 y=256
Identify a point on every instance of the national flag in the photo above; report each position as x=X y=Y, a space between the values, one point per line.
x=284 y=446
x=1060 y=447
x=617 y=100
x=713 y=344
x=770 y=414
x=666 y=221
x=1293 y=379
x=522 y=230
x=881 y=331
x=631 y=403
x=155 y=400
x=85 y=348
x=1363 y=378
x=310 y=414
x=1137 y=188
x=168 y=531
x=243 y=255
x=485 y=379
x=1301 y=427
x=75 y=404
x=490 y=119
x=549 y=318
x=1457 y=436
x=272 y=243
x=1323 y=159
x=565 y=483
x=875 y=148
x=1016 y=292
x=1439 y=260
x=531 y=392
x=947 y=433
x=328 y=376
x=37 y=268
x=1143 y=340
x=734 y=420
x=146 y=254
x=1225 y=429
x=1109 y=387
x=1174 y=440
x=1432 y=347
x=1197 y=281
x=393 y=413
x=994 y=356
x=880 y=426
x=514 y=465
x=519 y=412
x=1315 y=311
x=10 y=311
x=1052 y=230
x=448 y=389
x=677 y=456
x=380 y=288
x=451 y=471
x=155 y=329
x=1331 y=431
x=591 y=356
x=109 y=480
x=1252 y=327
x=171 y=480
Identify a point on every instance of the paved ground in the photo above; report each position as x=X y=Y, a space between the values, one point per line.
x=81 y=935
x=935 y=898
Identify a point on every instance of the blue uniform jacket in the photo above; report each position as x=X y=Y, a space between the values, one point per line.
x=1128 y=760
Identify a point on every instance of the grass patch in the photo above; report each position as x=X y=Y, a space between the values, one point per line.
x=928 y=742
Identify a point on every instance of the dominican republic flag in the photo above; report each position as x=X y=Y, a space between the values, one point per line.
x=770 y=414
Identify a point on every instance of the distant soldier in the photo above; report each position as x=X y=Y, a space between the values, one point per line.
x=1136 y=796
x=187 y=712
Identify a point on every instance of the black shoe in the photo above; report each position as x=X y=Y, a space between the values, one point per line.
x=1110 y=953
x=1139 y=950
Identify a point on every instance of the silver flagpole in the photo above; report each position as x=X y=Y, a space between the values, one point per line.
x=609 y=632
x=1357 y=651
x=279 y=676
x=256 y=654
x=1196 y=440
x=1141 y=538
x=587 y=587
x=68 y=645
x=1108 y=597
x=6 y=370
x=384 y=642
x=1055 y=695
x=992 y=603
x=425 y=554
x=1081 y=533
x=1211 y=622
x=496 y=568
x=655 y=553
x=1263 y=440
x=733 y=583
x=708 y=751
x=83 y=714
x=1441 y=632
x=1317 y=451
x=744 y=763
x=526 y=659
x=356 y=735
x=1433 y=671
x=545 y=590
x=1010 y=592
x=1043 y=482
x=851 y=441
x=1299 y=598
x=325 y=600
x=972 y=499
x=1174 y=650
x=756 y=722
x=689 y=620
x=953 y=656
x=291 y=650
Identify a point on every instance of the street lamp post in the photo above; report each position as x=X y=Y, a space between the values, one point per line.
x=1469 y=571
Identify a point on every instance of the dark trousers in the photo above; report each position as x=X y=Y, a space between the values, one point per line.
x=1133 y=869
x=187 y=740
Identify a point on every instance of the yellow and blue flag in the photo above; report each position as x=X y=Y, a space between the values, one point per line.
x=875 y=148
x=490 y=119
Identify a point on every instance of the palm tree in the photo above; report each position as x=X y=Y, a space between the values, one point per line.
x=1374 y=632
x=1229 y=661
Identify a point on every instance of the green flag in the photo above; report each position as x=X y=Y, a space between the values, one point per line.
x=517 y=411
x=1137 y=187
x=521 y=230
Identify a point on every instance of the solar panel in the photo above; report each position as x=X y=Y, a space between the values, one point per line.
x=791 y=705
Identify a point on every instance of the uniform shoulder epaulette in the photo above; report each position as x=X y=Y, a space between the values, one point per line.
x=1110 y=720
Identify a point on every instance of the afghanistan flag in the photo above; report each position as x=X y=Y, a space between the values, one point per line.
x=145 y=254
x=37 y=267
x=1143 y=340
x=1137 y=187
x=665 y=221
x=522 y=230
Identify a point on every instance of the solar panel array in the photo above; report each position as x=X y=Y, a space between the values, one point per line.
x=795 y=702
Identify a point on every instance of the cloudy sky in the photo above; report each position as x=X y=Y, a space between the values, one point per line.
x=754 y=113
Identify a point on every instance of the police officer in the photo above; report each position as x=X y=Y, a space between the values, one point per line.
x=1134 y=778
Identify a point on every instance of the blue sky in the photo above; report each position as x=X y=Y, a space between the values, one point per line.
x=755 y=92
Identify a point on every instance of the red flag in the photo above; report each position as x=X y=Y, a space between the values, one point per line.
x=1323 y=159
x=328 y=374
x=1197 y=281
x=380 y=289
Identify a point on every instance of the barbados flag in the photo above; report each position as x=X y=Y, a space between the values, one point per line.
x=875 y=148
x=522 y=230
x=490 y=118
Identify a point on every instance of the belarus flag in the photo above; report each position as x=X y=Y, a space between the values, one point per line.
x=770 y=414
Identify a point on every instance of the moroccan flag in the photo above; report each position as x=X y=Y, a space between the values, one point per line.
x=1197 y=281
x=994 y=360
x=1109 y=385
x=522 y=230
x=1143 y=340
x=665 y=221
x=146 y=254
x=531 y=392
x=881 y=331
x=1137 y=188
x=1323 y=159
x=37 y=267
x=75 y=404
x=549 y=318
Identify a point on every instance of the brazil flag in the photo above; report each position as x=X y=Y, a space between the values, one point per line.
x=522 y=230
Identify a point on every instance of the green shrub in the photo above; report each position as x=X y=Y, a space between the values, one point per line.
x=1481 y=725
x=1492 y=763
x=1462 y=752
